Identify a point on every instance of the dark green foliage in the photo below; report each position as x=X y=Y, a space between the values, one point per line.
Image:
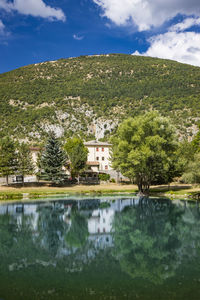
x=52 y=160
x=144 y=150
x=192 y=170
x=114 y=86
x=104 y=176
x=8 y=157
x=77 y=154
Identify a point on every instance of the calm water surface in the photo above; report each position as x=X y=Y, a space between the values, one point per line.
x=100 y=248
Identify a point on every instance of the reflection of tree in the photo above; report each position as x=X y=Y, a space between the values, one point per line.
x=146 y=239
x=190 y=233
x=7 y=234
x=51 y=229
x=17 y=241
x=78 y=233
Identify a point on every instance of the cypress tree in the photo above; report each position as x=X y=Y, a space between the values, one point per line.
x=52 y=160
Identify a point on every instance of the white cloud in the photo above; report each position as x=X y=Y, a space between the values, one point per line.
x=2 y=27
x=3 y=32
x=187 y=23
x=6 y=5
x=180 y=46
x=36 y=8
x=78 y=37
x=146 y=13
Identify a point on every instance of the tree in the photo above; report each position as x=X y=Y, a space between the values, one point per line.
x=52 y=160
x=8 y=157
x=24 y=161
x=77 y=153
x=144 y=150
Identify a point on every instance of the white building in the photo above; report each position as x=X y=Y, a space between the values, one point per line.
x=99 y=156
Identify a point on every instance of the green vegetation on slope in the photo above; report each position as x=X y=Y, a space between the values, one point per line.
x=72 y=93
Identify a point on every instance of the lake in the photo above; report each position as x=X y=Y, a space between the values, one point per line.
x=100 y=248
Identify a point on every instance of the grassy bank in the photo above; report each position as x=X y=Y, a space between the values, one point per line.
x=172 y=191
x=10 y=193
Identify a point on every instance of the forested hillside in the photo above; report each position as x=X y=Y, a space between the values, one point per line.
x=89 y=95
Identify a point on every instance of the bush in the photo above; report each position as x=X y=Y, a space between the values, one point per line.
x=190 y=177
x=104 y=177
x=112 y=180
x=192 y=173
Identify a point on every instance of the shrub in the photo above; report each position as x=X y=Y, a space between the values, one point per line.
x=104 y=177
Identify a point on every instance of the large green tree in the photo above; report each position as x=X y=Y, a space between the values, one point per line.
x=8 y=158
x=24 y=160
x=52 y=161
x=77 y=153
x=144 y=150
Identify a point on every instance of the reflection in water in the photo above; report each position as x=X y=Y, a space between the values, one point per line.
x=133 y=248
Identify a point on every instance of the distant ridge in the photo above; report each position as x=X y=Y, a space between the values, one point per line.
x=90 y=95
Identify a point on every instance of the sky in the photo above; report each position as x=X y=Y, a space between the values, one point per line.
x=33 y=31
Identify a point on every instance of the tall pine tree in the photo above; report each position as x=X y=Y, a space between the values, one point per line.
x=52 y=160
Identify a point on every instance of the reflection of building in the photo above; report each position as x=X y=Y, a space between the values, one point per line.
x=99 y=220
x=18 y=211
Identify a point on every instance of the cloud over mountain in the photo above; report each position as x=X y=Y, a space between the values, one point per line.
x=146 y=13
x=176 y=44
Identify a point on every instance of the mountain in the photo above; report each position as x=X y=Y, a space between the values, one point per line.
x=90 y=95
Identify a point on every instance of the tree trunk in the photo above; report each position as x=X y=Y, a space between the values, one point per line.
x=117 y=177
x=78 y=179
x=23 y=180
x=7 y=179
x=143 y=187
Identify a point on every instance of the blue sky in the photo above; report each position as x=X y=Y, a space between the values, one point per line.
x=33 y=31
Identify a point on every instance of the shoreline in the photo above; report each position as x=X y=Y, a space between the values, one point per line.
x=174 y=191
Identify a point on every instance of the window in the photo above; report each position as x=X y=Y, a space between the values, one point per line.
x=106 y=167
x=104 y=230
x=102 y=158
x=97 y=149
x=97 y=158
x=102 y=149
